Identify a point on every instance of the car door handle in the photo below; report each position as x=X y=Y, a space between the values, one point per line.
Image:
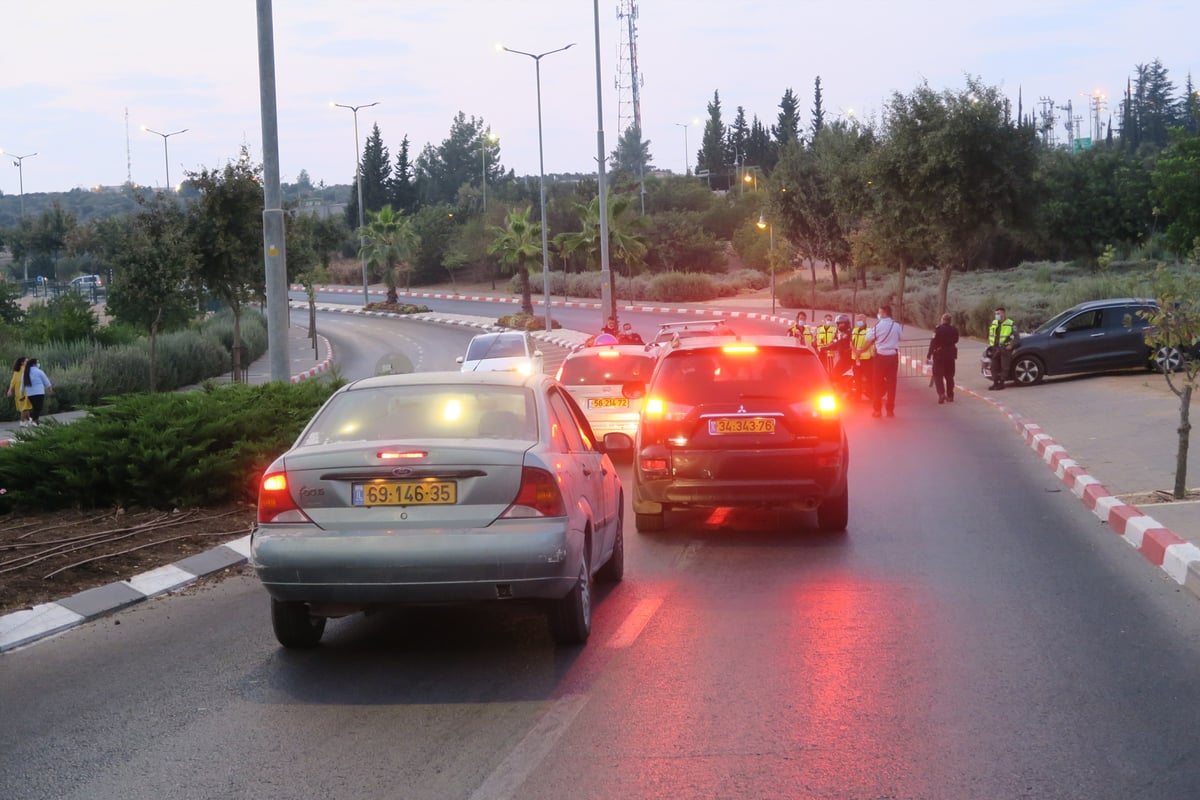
x=1094 y=335
x=586 y=471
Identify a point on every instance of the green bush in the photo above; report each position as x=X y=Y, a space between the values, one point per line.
x=681 y=287
x=160 y=451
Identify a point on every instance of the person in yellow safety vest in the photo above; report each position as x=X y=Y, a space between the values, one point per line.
x=862 y=362
x=800 y=329
x=822 y=338
x=1002 y=340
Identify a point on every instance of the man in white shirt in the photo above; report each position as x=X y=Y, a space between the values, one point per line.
x=885 y=337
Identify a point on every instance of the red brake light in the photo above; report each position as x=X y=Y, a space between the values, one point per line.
x=739 y=349
x=608 y=354
x=275 y=503
x=389 y=454
x=538 y=496
x=654 y=407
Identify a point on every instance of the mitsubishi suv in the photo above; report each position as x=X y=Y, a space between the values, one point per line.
x=731 y=421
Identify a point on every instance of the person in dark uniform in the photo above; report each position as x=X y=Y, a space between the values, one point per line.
x=839 y=355
x=943 y=350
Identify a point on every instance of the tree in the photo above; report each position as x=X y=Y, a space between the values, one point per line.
x=806 y=210
x=818 y=109
x=375 y=172
x=1172 y=326
x=713 y=157
x=225 y=222
x=738 y=136
x=403 y=193
x=632 y=156
x=787 y=127
x=760 y=150
x=457 y=161
x=1176 y=192
x=153 y=257
x=625 y=244
x=519 y=246
x=388 y=241
x=1154 y=108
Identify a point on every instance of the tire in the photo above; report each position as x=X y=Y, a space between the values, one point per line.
x=1028 y=370
x=294 y=626
x=833 y=515
x=650 y=523
x=1167 y=358
x=614 y=569
x=570 y=618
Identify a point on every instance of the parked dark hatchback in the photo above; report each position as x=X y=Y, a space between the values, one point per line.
x=729 y=421
x=1096 y=336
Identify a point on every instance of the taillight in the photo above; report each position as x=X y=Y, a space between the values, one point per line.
x=654 y=407
x=826 y=405
x=275 y=503
x=538 y=496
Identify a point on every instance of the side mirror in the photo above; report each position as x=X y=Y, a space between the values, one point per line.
x=458 y=360
x=537 y=353
x=1060 y=330
x=617 y=442
x=634 y=390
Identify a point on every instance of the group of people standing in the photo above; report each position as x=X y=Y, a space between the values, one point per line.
x=862 y=360
x=28 y=388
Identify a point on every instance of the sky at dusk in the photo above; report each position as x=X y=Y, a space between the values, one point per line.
x=78 y=80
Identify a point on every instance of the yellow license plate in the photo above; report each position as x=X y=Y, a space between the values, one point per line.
x=405 y=493
x=608 y=402
x=724 y=425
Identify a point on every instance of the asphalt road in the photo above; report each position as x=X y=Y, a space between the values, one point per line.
x=969 y=637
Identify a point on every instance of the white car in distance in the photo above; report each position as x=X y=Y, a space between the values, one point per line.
x=504 y=351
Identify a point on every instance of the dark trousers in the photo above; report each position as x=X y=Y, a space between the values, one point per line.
x=38 y=400
x=943 y=375
x=863 y=377
x=1001 y=364
x=883 y=384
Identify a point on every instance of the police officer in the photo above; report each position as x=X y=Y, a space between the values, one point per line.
x=1002 y=340
x=942 y=352
x=800 y=330
x=885 y=337
x=862 y=357
x=840 y=353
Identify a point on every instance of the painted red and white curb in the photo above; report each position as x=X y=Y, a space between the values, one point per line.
x=323 y=366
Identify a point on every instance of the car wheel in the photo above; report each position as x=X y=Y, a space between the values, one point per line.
x=1167 y=358
x=294 y=626
x=571 y=617
x=834 y=514
x=614 y=569
x=650 y=523
x=1028 y=370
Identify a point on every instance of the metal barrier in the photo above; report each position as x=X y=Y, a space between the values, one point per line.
x=912 y=358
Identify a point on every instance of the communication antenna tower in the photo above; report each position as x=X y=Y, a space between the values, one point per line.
x=128 y=152
x=629 y=80
x=1070 y=124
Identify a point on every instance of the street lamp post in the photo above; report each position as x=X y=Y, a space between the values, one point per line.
x=166 y=161
x=537 y=62
x=687 y=159
x=485 y=140
x=19 y=163
x=358 y=180
x=751 y=176
x=763 y=224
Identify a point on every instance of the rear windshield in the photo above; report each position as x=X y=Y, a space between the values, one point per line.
x=701 y=376
x=499 y=346
x=425 y=412
x=599 y=369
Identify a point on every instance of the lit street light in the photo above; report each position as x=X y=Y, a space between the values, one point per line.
x=537 y=62
x=19 y=162
x=166 y=161
x=358 y=181
x=751 y=176
x=764 y=225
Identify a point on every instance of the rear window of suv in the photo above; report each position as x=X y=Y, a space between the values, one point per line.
x=606 y=367
x=727 y=374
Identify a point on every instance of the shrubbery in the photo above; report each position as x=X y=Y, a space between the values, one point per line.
x=165 y=451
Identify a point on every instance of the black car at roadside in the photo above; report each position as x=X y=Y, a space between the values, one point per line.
x=1096 y=336
x=739 y=421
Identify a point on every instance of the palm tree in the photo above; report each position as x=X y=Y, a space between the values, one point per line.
x=389 y=240
x=625 y=245
x=519 y=244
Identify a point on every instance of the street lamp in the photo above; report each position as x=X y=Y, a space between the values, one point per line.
x=18 y=162
x=537 y=63
x=358 y=180
x=687 y=161
x=764 y=225
x=751 y=176
x=166 y=161
x=484 y=141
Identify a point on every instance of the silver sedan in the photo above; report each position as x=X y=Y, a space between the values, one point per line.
x=435 y=488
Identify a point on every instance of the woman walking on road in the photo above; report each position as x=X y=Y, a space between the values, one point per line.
x=16 y=390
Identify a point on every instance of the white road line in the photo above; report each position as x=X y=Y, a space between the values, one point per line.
x=632 y=627
x=506 y=780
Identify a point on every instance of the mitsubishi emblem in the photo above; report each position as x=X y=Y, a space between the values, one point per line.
x=741 y=409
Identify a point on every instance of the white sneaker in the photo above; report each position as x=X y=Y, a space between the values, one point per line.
x=24 y=423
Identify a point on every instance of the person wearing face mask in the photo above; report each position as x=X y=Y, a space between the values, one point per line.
x=1002 y=341
x=943 y=350
x=862 y=358
x=885 y=338
x=823 y=338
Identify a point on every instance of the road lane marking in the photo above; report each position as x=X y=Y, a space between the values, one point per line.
x=632 y=627
x=506 y=780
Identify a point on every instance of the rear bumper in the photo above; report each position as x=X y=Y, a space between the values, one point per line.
x=535 y=560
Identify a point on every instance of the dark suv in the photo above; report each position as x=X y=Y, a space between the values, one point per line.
x=731 y=421
x=1096 y=336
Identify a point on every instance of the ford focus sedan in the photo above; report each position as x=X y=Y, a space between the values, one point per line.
x=436 y=488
